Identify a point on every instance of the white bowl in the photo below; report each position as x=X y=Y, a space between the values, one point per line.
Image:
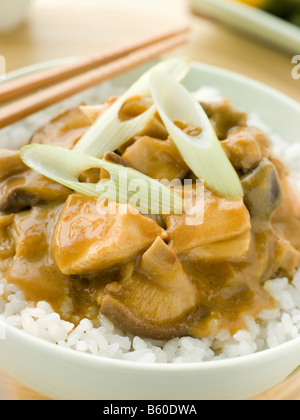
x=60 y=373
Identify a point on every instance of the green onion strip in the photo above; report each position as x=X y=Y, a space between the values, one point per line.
x=108 y=133
x=204 y=153
x=126 y=185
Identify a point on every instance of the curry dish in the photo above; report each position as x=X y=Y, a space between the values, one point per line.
x=155 y=277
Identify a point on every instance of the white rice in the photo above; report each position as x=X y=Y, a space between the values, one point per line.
x=270 y=329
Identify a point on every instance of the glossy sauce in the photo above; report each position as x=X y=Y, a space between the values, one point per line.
x=227 y=290
x=138 y=291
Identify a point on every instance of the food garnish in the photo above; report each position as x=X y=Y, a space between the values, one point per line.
x=203 y=153
x=126 y=185
x=109 y=132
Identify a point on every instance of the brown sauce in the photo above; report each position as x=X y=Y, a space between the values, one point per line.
x=152 y=277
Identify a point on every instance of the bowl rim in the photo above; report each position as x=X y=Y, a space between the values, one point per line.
x=191 y=367
x=250 y=81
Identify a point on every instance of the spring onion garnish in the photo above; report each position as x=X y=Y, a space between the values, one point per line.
x=203 y=153
x=108 y=133
x=126 y=185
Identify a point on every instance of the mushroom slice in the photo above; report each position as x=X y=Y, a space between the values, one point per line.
x=22 y=188
x=115 y=158
x=156 y=300
x=93 y=235
x=263 y=192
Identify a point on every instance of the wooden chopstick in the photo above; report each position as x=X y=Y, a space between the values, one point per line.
x=22 y=108
x=29 y=83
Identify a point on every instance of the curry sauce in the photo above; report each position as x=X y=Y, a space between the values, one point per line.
x=156 y=277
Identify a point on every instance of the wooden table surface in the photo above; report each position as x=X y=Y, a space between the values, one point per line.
x=60 y=28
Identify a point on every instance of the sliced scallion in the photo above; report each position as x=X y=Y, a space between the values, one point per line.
x=108 y=133
x=126 y=185
x=203 y=153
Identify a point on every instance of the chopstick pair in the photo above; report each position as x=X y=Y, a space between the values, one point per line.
x=47 y=87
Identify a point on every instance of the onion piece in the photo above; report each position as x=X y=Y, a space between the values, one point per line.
x=203 y=154
x=126 y=185
x=108 y=133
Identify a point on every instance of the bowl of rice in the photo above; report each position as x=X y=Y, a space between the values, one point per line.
x=63 y=361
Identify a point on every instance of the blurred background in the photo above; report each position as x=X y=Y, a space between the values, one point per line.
x=224 y=32
x=239 y=35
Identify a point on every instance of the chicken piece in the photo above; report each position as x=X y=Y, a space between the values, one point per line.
x=22 y=188
x=291 y=198
x=94 y=175
x=137 y=105
x=245 y=147
x=154 y=128
x=6 y=220
x=286 y=257
x=158 y=159
x=33 y=269
x=132 y=108
x=7 y=243
x=156 y=299
x=235 y=249
x=10 y=163
x=274 y=253
x=93 y=112
x=224 y=116
x=90 y=176
x=190 y=129
x=92 y=236
x=262 y=140
x=223 y=220
x=262 y=190
x=65 y=130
